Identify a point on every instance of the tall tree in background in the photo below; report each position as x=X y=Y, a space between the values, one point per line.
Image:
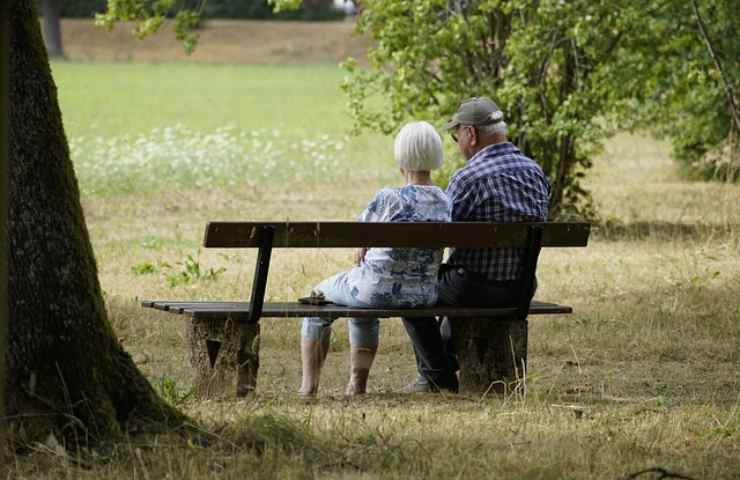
x=679 y=77
x=566 y=74
x=51 y=10
x=66 y=371
x=542 y=62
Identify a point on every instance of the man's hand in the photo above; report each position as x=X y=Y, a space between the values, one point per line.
x=359 y=255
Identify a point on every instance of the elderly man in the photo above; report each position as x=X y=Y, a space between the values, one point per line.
x=497 y=184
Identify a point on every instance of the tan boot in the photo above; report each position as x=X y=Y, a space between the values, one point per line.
x=313 y=354
x=361 y=359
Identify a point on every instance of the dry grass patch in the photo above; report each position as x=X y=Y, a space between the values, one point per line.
x=645 y=373
x=221 y=41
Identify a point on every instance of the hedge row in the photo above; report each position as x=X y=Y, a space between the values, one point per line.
x=253 y=9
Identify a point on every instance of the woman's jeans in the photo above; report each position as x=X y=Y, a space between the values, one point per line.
x=363 y=332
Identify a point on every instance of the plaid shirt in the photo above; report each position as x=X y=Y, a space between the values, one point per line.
x=499 y=184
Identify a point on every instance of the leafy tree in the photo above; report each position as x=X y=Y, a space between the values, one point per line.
x=566 y=74
x=256 y=9
x=149 y=15
x=679 y=76
x=316 y=10
x=543 y=62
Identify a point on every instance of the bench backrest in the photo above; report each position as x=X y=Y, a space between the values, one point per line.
x=421 y=235
x=268 y=235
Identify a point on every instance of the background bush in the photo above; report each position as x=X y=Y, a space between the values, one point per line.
x=82 y=8
x=320 y=10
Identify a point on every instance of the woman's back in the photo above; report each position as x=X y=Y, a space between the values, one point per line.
x=401 y=276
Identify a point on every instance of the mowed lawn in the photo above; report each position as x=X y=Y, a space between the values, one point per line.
x=645 y=373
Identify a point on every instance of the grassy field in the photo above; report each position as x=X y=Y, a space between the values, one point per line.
x=645 y=374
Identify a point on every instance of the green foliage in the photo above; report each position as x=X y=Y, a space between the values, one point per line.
x=252 y=9
x=566 y=74
x=672 y=84
x=282 y=5
x=143 y=268
x=191 y=272
x=149 y=15
x=265 y=9
x=539 y=61
x=170 y=392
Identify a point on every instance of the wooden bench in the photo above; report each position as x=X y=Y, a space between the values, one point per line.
x=491 y=342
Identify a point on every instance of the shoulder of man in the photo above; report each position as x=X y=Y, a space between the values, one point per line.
x=516 y=161
x=461 y=178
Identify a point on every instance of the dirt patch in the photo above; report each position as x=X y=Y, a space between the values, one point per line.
x=221 y=41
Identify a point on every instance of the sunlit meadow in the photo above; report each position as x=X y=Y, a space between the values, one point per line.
x=644 y=374
x=186 y=158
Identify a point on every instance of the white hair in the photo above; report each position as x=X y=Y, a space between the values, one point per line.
x=418 y=147
x=498 y=127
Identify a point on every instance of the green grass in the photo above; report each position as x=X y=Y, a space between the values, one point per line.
x=128 y=98
x=134 y=127
x=645 y=373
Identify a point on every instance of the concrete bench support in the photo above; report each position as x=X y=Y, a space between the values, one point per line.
x=214 y=356
x=492 y=353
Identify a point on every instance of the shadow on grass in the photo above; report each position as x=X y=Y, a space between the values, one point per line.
x=366 y=447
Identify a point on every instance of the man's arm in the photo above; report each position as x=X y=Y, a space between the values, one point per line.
x=463 y=198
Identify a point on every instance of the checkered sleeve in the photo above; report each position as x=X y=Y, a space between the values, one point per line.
x=462 y=198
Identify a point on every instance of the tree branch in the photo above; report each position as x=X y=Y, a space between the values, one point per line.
x=729 y=90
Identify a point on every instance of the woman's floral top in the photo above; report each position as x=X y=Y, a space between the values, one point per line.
x=401 y=277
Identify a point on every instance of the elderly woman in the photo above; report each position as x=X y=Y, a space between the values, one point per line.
x=383 y=277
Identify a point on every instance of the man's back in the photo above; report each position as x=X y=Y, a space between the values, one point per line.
x=499 y=184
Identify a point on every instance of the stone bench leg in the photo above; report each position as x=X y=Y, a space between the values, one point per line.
x=492 y=353
x=219 y=369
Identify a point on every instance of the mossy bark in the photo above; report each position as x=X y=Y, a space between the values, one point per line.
x=4 y=127
x=66 y=370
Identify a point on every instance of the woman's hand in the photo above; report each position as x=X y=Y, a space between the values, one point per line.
x=359 y=255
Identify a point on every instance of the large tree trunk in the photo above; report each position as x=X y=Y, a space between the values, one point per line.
x=51 y=11
x=66 y=370
x=4 y=127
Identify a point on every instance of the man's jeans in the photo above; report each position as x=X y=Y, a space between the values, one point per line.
x=433 y=340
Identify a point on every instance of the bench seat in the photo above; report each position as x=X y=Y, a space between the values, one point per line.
x=240 y=310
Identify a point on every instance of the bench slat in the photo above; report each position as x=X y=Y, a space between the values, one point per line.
x=412 y=234
x=240 y=310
